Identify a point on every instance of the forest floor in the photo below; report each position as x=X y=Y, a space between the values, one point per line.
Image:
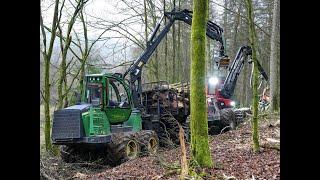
x=232 y=155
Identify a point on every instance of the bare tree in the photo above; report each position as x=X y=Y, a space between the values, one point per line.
x=252 y=36
x=165 y=46
x=199 y=123
x=47 y=53
x=274 y=74
x=64 y=50
x=174 y=44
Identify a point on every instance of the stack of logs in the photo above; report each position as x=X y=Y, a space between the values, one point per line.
x=172 y=97
x=183 y=93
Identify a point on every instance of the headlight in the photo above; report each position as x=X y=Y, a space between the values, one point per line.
x=233 y=103
x=213 y=80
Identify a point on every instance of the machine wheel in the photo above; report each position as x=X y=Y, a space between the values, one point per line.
x=123 y=147
x=186 y=128
x=228 y=118
x=241 y=114
x=148 y=141
x=169 y=131
x=67 y=154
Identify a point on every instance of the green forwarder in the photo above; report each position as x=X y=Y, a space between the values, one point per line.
x=105 y=124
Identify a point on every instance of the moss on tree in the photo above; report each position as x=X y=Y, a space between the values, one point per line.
x=252 y=37
x=199 y=124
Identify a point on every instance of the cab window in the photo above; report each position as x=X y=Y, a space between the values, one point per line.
x=94 y=94
x=118 y=96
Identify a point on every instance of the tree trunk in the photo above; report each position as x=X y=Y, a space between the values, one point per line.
x=62 y=85
x=47 y=127
x=63 y=74
x=252 y=34
x=145 y=21
x=208 y=62
x=174 y=44
x=84 y=56
x=235 y=28
x=81 y=81
x=155 y=60
x=47 y=58
x=199 y=123
x=165 y=46
x=179 y=48
x=274 y=75
x=244 y=87
x=225 y=25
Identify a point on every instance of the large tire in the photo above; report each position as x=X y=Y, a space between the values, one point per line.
x=228 y=118
x=67 y=154
x=123 y=147
x=148 y=141
x=241 y=114
x=169 y=131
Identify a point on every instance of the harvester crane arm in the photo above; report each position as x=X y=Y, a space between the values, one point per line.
x=229 y=84
x=213 y=32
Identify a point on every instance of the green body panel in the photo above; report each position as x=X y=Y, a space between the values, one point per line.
x=118 y=115
x=135 y=121
x=95 y=122
x=85 y=122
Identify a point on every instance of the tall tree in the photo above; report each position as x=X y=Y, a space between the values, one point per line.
x=252 y=37
x=179 y=48
x=199 y=124
x=208 y=62
x=225 y=25
x=165 y=45
x=235 y=29
x=85 y=51
x=47 y=53
x=274 y=74
x=174 y=44
x=145 y=21
x=84 y=54
x=64 y=50
x=153 y=70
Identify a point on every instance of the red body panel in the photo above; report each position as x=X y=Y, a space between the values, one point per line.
x=222 y=102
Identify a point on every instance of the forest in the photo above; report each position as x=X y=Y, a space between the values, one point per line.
x=163 y=89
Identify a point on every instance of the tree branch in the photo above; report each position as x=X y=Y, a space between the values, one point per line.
x=245 y=18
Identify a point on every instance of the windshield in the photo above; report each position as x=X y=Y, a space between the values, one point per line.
x=94 y=94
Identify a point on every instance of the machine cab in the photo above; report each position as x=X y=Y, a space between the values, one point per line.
x=109 y=93
x=214 y=85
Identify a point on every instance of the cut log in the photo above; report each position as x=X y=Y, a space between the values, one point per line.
x=272 y=140
x=184 y=163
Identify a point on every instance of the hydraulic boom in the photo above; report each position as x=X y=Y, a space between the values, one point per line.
x=213 y=32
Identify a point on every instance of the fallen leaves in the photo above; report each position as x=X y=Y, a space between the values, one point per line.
x=232 y=154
